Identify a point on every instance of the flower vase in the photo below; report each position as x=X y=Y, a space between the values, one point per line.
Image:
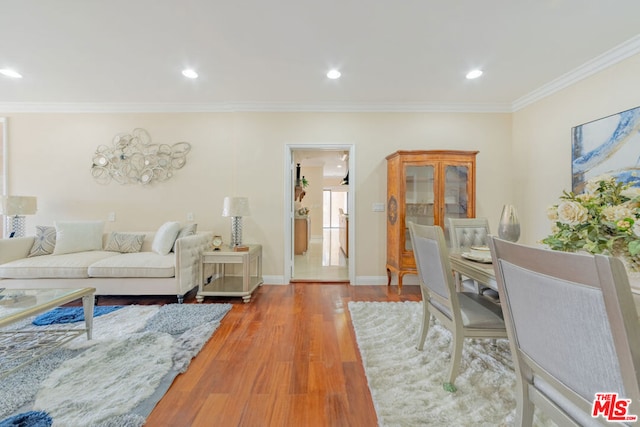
x=509 y=226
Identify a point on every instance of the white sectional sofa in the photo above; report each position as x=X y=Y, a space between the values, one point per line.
x=145 y=272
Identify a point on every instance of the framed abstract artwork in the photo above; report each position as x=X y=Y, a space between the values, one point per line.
x=610 y=145
x=3 y=170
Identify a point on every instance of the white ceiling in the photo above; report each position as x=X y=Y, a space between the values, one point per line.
x=273 y=55
x=334 y=163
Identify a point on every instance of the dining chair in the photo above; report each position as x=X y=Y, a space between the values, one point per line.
x=465 y=314
x=464 y=233
x=467 y=232
x=573 y=330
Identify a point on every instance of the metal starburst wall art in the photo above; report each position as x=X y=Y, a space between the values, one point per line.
x=133 y=159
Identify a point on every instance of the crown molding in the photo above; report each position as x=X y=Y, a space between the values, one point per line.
x=282 y=107
x=619 y=53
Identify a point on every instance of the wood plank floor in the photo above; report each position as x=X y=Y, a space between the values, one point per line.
x=287 y=358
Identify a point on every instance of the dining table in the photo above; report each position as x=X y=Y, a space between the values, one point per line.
x=484 y=273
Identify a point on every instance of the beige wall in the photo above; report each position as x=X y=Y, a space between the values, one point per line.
x=524 y=159
x=542 y=138
x=243 y=154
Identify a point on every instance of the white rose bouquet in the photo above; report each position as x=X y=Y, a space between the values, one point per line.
x=604 y=219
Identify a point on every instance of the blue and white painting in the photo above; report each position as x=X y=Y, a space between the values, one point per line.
x=610 y=145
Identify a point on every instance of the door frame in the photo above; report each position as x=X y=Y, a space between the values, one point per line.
x=289 y=176
x=4 y=191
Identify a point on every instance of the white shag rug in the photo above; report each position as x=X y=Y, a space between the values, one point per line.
x=118 y=377
x=406 y=384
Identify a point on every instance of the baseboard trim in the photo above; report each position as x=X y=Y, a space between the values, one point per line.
x=408 y=280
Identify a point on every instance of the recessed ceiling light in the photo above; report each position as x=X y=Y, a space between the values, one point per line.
x=190 y=73
x=10 y=73
x=474 y=74
x=334 y=74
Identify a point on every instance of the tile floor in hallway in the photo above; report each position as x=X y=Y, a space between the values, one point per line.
x=324 y=261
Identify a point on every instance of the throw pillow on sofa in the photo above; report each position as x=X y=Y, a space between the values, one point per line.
x=78 y=236
x=124 y=242
x=187 y=230
x=45 y=241
x=165 y=237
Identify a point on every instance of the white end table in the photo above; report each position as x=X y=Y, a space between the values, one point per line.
x=224 y=284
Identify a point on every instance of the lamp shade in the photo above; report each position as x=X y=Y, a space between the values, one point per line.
x=18 y=205
x=235 y=206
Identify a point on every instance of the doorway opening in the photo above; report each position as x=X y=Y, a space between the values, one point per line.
x=316 y=244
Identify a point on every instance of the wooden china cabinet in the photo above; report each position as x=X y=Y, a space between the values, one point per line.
x=426 y=187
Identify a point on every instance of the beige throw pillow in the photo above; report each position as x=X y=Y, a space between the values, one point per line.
x=165 y=237
x=187 y=230
x=78 y=236
x=45 y=241
x=124 y=242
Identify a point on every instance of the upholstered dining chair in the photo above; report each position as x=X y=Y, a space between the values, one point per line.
x=466 y=315
x=467 y=232
x=573 y=330
x=464 y=233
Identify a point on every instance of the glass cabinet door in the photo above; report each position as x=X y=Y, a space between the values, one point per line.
x=455 y=194
x=419 y=198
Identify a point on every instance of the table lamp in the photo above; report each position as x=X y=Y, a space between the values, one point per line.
x=236 y=208
x=16 y=207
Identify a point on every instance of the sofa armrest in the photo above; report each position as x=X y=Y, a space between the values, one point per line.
x=188 y=251
x=15 y=248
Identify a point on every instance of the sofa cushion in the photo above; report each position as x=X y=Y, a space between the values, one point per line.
x=165 y=237
x=78 y=236
x=44 y=242
x=69 y=266
x=124 y=242
x=141 y=264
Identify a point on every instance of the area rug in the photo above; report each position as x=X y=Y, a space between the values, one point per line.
x=406 y=384
x=115 y=379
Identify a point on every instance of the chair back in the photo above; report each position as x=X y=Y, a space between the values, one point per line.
x=573 y=328
x=434 y=271
x=467 y=232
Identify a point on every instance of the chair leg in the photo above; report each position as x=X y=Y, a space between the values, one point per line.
x=458 y=279
x=456 y=355
x=424 y=328
x=524 y=406
x=478 y=287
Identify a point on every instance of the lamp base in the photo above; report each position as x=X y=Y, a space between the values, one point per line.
x=18 y=226
x=236 y=231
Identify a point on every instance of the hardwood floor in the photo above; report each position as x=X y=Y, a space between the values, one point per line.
x=288 y=358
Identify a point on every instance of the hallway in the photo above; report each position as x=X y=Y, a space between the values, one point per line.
x=323 y=262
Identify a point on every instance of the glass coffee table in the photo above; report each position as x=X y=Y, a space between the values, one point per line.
x=19 y=347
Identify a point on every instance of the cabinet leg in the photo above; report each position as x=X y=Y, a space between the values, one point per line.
x=199 y=298
x=400 y=283
x=388 y=277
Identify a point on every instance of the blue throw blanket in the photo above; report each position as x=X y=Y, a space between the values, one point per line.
x=71 y=314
